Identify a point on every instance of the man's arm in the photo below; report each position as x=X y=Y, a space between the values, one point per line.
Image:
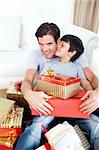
x=92 y=97
x=91 y=77
x=36 y=99
x=86 y=84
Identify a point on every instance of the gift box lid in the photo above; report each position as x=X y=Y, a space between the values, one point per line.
x=58 y=79
x=5 y=105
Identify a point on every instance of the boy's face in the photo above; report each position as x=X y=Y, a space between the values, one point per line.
x=63 y=49
x=47 y=45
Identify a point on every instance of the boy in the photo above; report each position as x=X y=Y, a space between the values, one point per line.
x=70 y=43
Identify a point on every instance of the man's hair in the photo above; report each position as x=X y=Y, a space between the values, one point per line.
x=75 y=45
x=48 y=29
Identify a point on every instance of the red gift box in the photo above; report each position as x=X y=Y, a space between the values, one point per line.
x=15 y=132
x=3 y=147
x=66 y=108
x=58 y=86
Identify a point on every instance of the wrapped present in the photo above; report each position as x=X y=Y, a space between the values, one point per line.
x=5 y=106
x=60 y=137
x=66 y=108
x=12 y=125
x=58 y=86
x=14 y=91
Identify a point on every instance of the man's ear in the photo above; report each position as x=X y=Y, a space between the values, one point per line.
x=58 y=42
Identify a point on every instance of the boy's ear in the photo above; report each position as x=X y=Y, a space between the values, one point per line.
x=71 y=54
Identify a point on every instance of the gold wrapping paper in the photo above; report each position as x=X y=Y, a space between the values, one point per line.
x=5 y=105
x=58 y=90
x=13 y=119
x=7 y=141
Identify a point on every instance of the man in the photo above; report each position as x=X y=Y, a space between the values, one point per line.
x=48 y=35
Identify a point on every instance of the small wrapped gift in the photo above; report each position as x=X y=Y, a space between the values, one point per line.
x=5 y=106
x=60 y=137
x=58 y=85
x=11 y=126
x=66 y=108
x=14 y=91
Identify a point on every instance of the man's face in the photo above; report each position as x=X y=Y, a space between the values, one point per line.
x=47 y=45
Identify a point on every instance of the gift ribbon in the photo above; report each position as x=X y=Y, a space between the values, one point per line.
x=11 y=137
x=47 y=145
x=8 y=133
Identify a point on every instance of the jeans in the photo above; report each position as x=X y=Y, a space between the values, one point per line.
x=30 y=139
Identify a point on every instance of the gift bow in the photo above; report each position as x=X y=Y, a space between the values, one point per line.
x=10 y=137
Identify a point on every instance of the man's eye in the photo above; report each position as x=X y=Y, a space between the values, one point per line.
x=40 y=44
x=49 y=44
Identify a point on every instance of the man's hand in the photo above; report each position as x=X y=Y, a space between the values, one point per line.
x=91 y=102
x=38 y=101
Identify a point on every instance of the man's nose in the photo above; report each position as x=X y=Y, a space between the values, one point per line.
x=45 y=48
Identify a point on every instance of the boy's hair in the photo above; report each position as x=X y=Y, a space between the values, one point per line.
x=48 y=29
x=75 y=45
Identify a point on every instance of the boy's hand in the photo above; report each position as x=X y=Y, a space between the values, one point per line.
x=38 y=101
x=91 y=102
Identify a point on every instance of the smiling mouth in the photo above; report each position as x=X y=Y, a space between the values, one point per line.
x=47 y=52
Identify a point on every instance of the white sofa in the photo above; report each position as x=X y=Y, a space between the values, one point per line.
x=17 y=39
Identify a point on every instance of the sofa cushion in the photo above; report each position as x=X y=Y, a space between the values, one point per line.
x=9 y=33
x=89 y=38
x=95 y=62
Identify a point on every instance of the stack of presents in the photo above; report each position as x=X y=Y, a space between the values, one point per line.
x=10 y=123
x=66 y=100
